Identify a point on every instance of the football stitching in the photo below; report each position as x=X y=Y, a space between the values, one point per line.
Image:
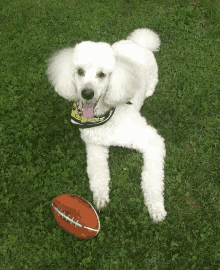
x=60 y=212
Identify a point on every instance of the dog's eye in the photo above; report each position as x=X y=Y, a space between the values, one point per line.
x=80 y=72
x=101 y=74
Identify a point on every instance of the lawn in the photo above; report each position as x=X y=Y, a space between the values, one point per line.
x=43 y=156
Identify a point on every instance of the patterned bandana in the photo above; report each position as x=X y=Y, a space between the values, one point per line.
x=78 y=119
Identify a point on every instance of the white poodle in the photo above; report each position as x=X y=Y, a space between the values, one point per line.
x=108 y=85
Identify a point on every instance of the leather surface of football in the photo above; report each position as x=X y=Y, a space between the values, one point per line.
x=76 y=215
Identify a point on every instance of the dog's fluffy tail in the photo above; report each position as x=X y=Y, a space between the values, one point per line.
x=145 y=38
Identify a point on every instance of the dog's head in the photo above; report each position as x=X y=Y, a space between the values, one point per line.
x=94 y=72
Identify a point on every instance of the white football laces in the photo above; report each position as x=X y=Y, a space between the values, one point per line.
x=71 y=220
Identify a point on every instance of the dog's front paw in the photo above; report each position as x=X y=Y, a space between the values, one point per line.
x=157 y=213
x=100 y=200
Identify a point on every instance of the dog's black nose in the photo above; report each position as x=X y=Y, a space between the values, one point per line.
x=87 y=93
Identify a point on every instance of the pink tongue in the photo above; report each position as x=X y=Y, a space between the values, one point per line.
x=88 y=109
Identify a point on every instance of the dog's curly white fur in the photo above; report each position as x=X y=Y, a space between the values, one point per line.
x=109 y=76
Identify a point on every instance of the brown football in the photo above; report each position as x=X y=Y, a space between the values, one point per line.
x=75 y=215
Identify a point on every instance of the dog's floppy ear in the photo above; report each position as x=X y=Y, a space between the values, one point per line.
x=61 y=73
x=125 y=81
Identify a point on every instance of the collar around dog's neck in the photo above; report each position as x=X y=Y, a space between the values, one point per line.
x=78 y=119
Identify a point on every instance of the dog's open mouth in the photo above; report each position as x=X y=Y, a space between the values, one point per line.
x=88 y=108
x=84 y=114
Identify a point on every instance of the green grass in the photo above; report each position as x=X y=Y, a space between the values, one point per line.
x=42 y=154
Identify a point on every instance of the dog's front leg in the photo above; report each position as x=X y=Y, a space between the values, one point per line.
x=152 y=177
x=98 y=173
